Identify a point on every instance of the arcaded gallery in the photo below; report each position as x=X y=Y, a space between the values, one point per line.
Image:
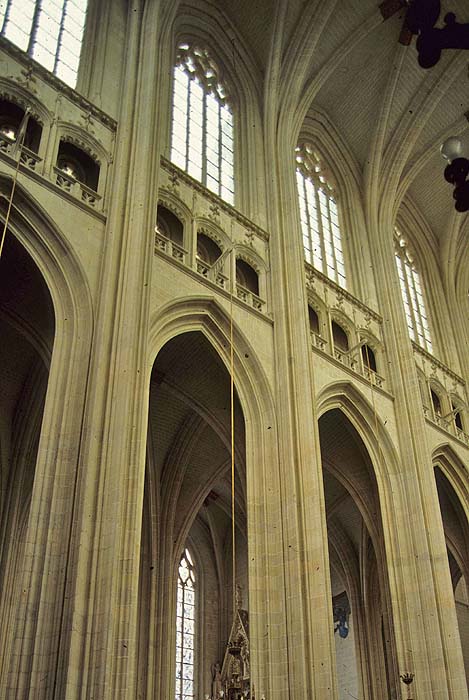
x=234 y=349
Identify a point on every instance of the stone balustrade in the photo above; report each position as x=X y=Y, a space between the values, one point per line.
x=444 y=395
x=78 y=189
x=61 y=116
x=201 y=212
x=166 y=245
x=361 y=325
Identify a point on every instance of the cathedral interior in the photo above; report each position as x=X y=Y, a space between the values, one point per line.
x=234 y=349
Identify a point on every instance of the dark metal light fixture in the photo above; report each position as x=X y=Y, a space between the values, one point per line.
x=420 y=19
x=456 y=172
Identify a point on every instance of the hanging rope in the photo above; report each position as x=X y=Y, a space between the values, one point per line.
x=371 y=375
x=233 y=521
x=18 y=147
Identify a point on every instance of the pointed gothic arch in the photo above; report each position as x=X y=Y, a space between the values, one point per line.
x=453 y=506
x=205 y=316
x=212 y=28
x=353 y=507
x=60 y=437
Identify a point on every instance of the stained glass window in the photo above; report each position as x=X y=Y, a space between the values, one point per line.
x=412 y=295
x=319 y=216
x=185 y=628
x=50 y=31
x=202 y=122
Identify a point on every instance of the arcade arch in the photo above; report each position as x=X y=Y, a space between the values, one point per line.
x=187 y=495
x=365 y=647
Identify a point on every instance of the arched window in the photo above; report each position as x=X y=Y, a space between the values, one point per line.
x=339 y=337
x=169 y=225
x=11 y=116
x=457 y=416
x=368 y=357
x=436 y=403
x=247 y=277
x=313 y=320
x=185 y=628
x=202 y=122
x=50 y=31
x=78 y=165
x=319 y=216
x=412 y=296
x=207 y=250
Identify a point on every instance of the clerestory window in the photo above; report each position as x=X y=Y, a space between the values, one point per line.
x=202 y=122
x=185 y=629
x=50 y=31
x=319 y=216
x=412 y=295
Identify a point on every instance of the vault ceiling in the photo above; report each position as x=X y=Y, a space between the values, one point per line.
x=189 y=427
x=370 y=87
x=380 y=88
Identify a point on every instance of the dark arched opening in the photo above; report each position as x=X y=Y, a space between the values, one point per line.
x=207 y=250
x=11 y=116
x=456 y=530
x=187 y=504
x=247 y=277
x=313 y=320
x=27 y=329
x=340 y=337
x=365 y=649
x=78 y=165
x=436 y=403
x=368 y=357
x=169 y=225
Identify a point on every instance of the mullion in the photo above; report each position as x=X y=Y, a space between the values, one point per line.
x=308 y=218
x=220 y=150
x=60 y=36
x=410 y=302
x=417 y=308
x=39 y=42
x=339 y=247
x=310 y=200
x=195 y=130
x=302 y=207
x=320 y=229
x=182 y=637
x=7 y=15
x=204 y=138
x=404 y=293
x=329 y=222
x=421 y=309
x=188 y=121
x=310 y=223
x=34 y=27
x=412 y=298
x=183 y=640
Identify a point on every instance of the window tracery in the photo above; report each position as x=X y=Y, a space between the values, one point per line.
x=50 y=31
x=185 y=628
x=202 y=122
x=412 y=295
x=319 y=216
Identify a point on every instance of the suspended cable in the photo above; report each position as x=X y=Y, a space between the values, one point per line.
x=232 y=426
x=371 y=375
x=18 y=147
